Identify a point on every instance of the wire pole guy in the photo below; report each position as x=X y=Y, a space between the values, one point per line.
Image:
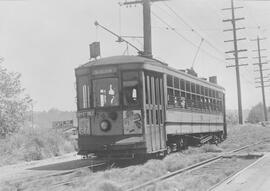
x=236 y=57
x=260 y=64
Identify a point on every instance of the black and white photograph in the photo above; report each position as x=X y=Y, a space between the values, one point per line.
x=134 y=95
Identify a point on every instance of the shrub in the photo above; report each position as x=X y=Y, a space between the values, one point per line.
x=33 y=144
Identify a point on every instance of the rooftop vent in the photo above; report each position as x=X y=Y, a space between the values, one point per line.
x=213 y=79
x=94 y=50
x=192 y=72
x=205 y=79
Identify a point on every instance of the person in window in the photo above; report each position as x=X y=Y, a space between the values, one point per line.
x=112 y=96
x=130 y=96
x=183 y=102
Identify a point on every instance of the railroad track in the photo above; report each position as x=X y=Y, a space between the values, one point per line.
x=103 y=165
x=32 y=180
x=193 y=167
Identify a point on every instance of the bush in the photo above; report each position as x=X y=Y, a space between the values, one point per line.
x=13 y=103
x=33 y=144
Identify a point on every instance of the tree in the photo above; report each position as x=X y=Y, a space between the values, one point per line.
x=13 y=103
x=256 y=114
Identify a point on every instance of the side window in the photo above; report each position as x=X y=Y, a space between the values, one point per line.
x=83 y=92
x=130 y=88
x=170 y=80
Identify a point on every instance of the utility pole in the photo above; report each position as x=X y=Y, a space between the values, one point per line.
x=235 y=53
x=261 y=78
x=147 y=34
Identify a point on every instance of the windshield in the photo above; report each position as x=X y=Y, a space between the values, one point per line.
x=130 y=88
x=83 y=86
x=106 y=92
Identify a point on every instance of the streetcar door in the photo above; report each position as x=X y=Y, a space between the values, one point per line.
x=154 y=110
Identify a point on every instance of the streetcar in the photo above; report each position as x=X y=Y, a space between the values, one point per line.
x=130 y=106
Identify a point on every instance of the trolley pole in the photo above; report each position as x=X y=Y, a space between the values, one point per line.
x=147 y=33
x=261 y=78
x=236 y=57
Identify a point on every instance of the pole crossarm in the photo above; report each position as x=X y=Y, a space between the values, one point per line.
x=244 y=57
x=263 y=86
x=256 y=57
x=233 y=51
x=261 y=77
x=138 y=2
x=263 y=81
x=258 y=39
x=236 y=19
x=266 y=69
x=261 y=63
x=236 y=29
x=236 y=40
x=230 y=8
x=236 y=65
x=259 y=50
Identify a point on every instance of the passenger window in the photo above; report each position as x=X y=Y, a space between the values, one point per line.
x=192 y=87
x=188 y=86
x=182 y=84
x=170 y=97
x=170 y=80
x=176 y=82
x=198 y=89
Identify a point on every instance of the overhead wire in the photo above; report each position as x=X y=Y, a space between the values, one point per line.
x=201 y=36
x=193 y=29
x=186 y=39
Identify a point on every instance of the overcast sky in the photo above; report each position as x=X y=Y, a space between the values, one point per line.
x=45 y=40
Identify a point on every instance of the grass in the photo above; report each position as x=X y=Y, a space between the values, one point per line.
x=33 y=144
x=121 y=179
x=118 y=179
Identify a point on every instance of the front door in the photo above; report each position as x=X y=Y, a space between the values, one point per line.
x=154 y=111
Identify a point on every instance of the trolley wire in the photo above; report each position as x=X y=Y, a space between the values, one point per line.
x=174 y=29
x=193 y=29
x=186 y=39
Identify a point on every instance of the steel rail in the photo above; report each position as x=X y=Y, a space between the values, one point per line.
x=234 y=175
x=192 y=167
x=57 y=184
x=55 y=174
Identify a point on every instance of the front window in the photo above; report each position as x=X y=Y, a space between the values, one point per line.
x=130 y=88
x=106 y=92
x=83 y=92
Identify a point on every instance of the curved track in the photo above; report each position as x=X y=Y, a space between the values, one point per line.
x=192 y=167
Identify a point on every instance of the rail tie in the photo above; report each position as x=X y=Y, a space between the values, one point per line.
x=193 y=167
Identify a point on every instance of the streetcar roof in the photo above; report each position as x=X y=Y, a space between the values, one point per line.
x=143 y=60
x=120 y=60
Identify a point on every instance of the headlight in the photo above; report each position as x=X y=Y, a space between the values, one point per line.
x=105 y=125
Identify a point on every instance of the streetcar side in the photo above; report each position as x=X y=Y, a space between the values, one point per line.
x=195 y=111
x=133 y=106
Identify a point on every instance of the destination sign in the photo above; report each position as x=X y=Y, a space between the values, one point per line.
x=104 y=71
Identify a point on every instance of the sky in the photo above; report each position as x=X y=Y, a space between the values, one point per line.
x=45 y=40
